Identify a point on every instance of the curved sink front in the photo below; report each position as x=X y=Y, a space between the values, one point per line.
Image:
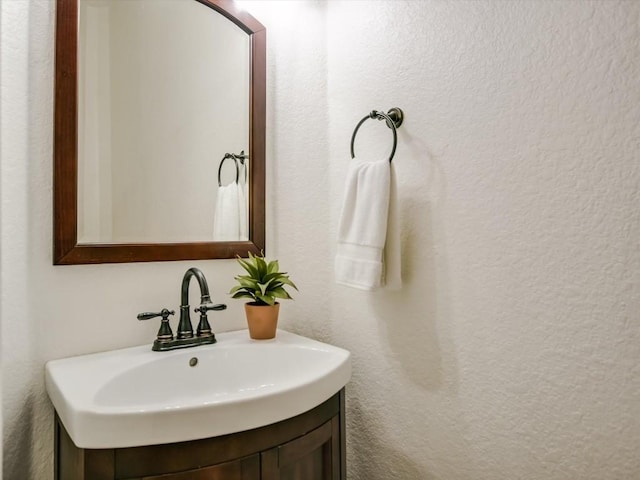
x=134 y=396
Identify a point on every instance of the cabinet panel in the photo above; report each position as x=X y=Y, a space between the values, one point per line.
x=243 y=469
x=72 y=463
x=314 y=456
x=138 y=462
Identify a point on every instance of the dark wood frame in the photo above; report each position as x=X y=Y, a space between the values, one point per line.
x=66 y=249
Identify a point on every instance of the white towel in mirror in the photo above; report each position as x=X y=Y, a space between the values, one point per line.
x=230 y=218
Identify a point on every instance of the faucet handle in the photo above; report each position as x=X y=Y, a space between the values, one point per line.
x=164 y=313
x=204 y=329
x=164 y=333
x=205 y=307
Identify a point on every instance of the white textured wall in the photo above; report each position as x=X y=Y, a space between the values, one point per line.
x=513 y=350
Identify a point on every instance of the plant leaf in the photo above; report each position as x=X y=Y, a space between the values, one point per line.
x=270 y=281
x=235 y=289
x=271 y=277
x=261 y=266
x=273 y=267
x=285 y=279
x=243 y=294
x=248 y=266
x=264 y=287
x=248 y=283
x=266 y=299
x=280 y=293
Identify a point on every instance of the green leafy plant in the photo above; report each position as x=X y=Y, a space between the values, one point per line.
x=263 y=282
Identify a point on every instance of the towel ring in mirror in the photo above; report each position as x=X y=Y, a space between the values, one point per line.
x=235 y=161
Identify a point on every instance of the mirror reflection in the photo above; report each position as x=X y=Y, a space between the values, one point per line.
x=163 y=101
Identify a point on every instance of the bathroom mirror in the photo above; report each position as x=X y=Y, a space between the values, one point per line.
x=159 y=123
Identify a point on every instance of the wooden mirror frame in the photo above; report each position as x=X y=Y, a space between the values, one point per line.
x=66 y=249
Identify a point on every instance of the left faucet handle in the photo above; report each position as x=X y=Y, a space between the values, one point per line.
x=164 y=333
x=164 y=313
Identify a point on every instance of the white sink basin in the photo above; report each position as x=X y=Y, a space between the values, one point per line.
x=133 y=397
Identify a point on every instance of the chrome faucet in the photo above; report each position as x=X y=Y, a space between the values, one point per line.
x=185 y=337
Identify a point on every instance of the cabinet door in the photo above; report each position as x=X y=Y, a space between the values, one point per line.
x=314 y=456
x=244 y=469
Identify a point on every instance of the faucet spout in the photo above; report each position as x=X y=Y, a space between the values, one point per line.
x=185 y=328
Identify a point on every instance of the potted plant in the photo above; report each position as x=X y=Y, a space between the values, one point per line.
x=263 y=284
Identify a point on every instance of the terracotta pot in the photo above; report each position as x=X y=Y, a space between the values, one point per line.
x=262 y=320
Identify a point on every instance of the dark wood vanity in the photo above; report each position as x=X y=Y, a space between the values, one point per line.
x=310 y=446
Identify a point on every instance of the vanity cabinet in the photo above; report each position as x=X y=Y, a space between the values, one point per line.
x=310 y=446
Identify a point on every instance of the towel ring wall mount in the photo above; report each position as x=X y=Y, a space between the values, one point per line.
x=241 y=157
x=393 y=119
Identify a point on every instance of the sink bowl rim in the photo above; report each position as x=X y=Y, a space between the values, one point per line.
x=82 y=417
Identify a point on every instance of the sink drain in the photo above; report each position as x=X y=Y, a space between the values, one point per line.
x=193 y=362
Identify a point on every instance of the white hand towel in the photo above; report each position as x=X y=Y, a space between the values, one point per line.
x=226 y=224
x=368 y=254
x=392 y=258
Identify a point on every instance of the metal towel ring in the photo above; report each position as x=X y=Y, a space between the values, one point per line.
x=242 y=158
x=393 y=118
x=235 y=161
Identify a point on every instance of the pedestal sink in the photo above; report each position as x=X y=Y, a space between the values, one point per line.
x=133 y=397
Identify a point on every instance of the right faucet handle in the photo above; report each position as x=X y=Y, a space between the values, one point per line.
x=164 y=333
x=204 y=329
x=205 y=307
